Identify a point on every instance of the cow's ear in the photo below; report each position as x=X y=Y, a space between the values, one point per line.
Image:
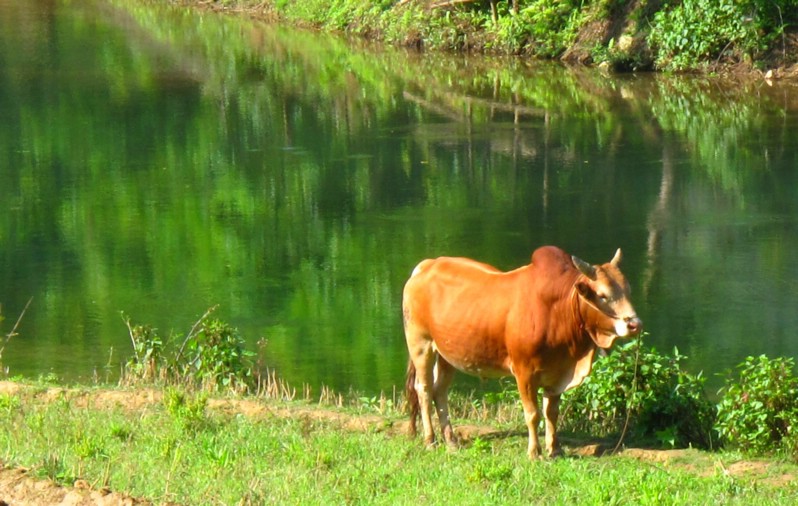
x=584 y=267
x=584 y=290
x=617 y=258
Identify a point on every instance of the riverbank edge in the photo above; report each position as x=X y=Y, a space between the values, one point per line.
x=609 y=41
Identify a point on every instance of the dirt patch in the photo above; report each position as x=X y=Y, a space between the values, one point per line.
x=19 y=486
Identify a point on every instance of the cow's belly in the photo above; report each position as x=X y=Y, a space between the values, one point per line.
x=481 y=363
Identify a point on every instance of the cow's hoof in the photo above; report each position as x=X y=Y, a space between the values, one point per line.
x=534 y=455
x=452 y=445
x=452 y=441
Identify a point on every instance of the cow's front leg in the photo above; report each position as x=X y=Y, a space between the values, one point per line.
x=551 y=410
x=529 y=398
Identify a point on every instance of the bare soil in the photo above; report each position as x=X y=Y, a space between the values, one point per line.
x=18 y=486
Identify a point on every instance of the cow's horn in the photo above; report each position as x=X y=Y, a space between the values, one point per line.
x=617 y=258
x=584 y=267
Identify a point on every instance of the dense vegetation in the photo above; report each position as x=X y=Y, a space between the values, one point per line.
x=661 y=34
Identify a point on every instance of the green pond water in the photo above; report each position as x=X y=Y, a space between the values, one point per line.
x=159 y=162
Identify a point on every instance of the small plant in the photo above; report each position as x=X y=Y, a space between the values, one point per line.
x=188 y=412
x=9 y=403
x=53 y=467
x=646 y=390
x=88 y=447
x=369 y=403
x=147 y=356
x=121 y=432
x=758 y=409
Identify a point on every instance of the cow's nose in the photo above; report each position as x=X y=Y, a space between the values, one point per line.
x=634 y=324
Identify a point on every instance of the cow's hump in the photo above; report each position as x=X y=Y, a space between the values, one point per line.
x=553 y=275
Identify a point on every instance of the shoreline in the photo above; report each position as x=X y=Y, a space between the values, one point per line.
x=591 y=47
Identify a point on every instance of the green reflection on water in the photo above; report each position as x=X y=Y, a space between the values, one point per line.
x=160 y=161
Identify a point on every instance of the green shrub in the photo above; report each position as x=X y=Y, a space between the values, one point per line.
x=758 y=409
x=215 y=356
x=550 y=26
x=650 y=391
x=695 y=31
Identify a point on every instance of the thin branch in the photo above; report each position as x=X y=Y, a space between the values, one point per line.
x=14 y=329
x=631 y=397
x=131 y=334
x=192 y=333
x=449 y=3
x=783 y=37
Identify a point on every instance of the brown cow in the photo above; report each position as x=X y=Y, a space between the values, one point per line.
x=541 y=323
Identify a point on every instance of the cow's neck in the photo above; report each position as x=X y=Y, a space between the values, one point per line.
x=586 y=340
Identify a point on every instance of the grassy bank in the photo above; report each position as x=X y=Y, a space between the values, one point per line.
x=172 y=446
x=626 y=35
x=196 y=423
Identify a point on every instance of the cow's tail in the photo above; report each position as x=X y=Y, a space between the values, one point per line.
x=412 y=396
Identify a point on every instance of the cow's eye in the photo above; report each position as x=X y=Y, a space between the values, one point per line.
x=603 y=298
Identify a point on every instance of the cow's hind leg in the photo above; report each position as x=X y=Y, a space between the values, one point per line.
x=423 y=357
x=443 y=374
x=551 y=410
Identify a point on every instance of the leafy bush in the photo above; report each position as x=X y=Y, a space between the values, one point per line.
x=758 y=410
x=216 y=356
x=649 y=390
x=549 y=25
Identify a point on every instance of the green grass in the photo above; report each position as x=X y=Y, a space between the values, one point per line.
x=178 y=449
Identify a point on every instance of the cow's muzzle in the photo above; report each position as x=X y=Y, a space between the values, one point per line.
x=628 y=326
x=634 y=325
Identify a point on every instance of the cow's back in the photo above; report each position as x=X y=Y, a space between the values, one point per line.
x=450 y=286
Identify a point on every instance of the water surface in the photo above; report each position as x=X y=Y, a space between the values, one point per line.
x=157 y=162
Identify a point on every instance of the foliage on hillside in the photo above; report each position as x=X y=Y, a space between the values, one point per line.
x=625 y=34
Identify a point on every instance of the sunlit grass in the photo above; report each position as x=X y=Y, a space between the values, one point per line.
x=176 y=448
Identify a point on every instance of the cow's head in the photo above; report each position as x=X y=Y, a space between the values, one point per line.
x=608 y=312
